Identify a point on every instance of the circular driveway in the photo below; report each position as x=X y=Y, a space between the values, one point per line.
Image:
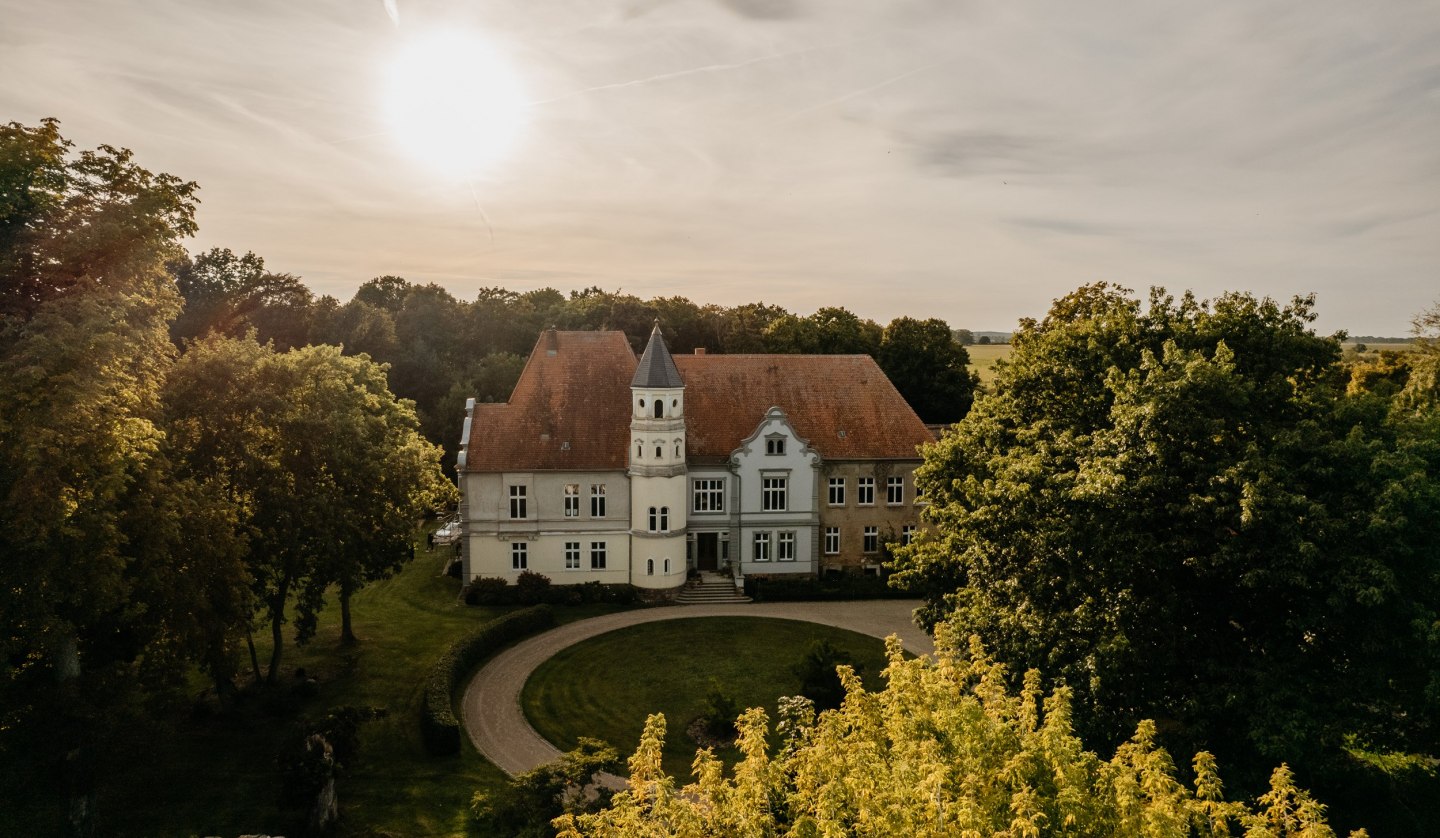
x=490 y=709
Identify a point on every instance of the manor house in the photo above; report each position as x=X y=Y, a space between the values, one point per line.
x=604 y=468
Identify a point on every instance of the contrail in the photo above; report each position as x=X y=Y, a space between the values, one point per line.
x=481 y=210
x=709 y=68
x=862 y=91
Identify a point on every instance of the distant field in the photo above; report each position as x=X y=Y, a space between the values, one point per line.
x=983 y=358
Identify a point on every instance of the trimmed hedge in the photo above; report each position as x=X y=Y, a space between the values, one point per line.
x=438 y=724
x=845 y=586
x=492 y=590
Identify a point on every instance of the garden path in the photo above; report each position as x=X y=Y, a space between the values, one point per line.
x=491 y=710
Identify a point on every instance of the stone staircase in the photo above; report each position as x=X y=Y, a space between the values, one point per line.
x=710 y=589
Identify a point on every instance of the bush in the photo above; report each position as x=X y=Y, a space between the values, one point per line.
x=533 y=588
x=818 y=680
x=844 y=586
x=490 y=590
x=438 y=723
x=721 y=711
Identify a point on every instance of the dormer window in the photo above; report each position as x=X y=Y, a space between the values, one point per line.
x=775 y=445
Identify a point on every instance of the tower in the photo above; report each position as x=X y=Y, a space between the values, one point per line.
x=657 y=469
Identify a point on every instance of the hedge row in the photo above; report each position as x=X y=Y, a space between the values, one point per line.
x=846 y=586
x=437 y=718
x=532 y=588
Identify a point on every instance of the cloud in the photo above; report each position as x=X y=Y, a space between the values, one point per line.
x=764 y=9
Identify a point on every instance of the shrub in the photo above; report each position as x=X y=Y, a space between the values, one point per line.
x=721 y=711
x=491 y=590
x=819 y=681
x=843 y=586
x=438 y=723
x=533 y=588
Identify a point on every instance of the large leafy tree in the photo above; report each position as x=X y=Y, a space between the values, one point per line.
x=104 y=600
x=946 y=749
x=328 y=464
x=228 y=294
x=1175 y=509
x=929 y=367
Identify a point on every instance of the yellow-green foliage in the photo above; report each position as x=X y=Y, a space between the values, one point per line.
x=944 y=750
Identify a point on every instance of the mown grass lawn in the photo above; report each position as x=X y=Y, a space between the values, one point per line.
x=217 y=776
x=983 y=358
x=606 y=686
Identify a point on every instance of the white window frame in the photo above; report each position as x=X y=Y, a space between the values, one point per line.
x=572 y=500
x=598 y=555
x=836 y=491
x=774 y=494
x=871 y=543
x=709 y=494
x=518 y=503
x=832 y=541
x=894 y=491
x=597 y=500
x=785 y=546
x=775 y=446
x=519 y=555
x=864 y=491
x=760 y=551
x=907 y=534
x=572 y=555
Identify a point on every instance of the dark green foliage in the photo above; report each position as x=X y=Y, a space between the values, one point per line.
x=491 y=590
x=721 y=711
x=929 y=367
x=819 y=681
x=1178 y=511
x=842 y=586
x=437 y=721
x=532 y=588
x=533 y=799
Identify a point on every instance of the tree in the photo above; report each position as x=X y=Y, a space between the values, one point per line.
x=329 y=465
x=829 y=331
x=819 y=680
x=102 y=604
x=228 y=294
x=532 y=800
x=1177 y=511
x=929 y=368
x=964 y=337
x=945 y=749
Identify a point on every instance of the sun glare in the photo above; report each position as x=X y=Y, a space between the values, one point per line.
x=453 y=103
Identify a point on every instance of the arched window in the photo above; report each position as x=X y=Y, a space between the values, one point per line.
x=659 y=409
x=642 y=402
x=649 y=567
x=639 y=450
x=679 y=448
x=658 y=453
x=667 y=565
x=653 y=520
x=664 y=519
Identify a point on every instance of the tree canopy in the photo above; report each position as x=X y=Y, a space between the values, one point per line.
x=946 y=749
x=1176 y=510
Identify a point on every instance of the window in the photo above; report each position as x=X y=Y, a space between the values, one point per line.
x=639 y=450
x=710 y=495
x=517 y=502
x=907 y=534
x=785 y=547
x=894 y=490
x=658 y=450
x=659 y=409
x=597 y=555
x=837 y=491
x=572 y=500
x=832 y=540
x=775 y=445
x=865 y=491
x=572 y=555
x=519 y=556
x=597 y=500
x=872 y=539
x=667 y=565
x=772 y=493
x=654 y=520
x=649 y=567
x=664 y=519
x=762 y=547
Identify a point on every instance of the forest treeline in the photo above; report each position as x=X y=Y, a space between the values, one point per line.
x=442 y=350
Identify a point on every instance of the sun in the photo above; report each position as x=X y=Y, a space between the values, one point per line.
x=453 y=103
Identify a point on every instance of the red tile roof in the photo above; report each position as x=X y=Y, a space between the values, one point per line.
x=843 y=405
x=575 y=389
x=579 y=395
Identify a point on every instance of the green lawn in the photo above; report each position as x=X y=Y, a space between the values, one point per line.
x=983 y=358
x=217 y=777
x=606 y=686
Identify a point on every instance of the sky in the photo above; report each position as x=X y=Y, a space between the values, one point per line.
x=937 y=158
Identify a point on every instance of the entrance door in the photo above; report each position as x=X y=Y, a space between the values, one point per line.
x=707 y=551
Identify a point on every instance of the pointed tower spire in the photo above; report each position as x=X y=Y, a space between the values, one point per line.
x=656 y=368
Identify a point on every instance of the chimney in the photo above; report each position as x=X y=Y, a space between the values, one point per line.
x=699 y=350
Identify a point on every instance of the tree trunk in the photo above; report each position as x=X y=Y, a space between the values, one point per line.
x=277 y=621
x=347 y=634
x=254 y=658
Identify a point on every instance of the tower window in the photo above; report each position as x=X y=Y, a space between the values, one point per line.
x=667 y=565
x=654 y=520
x=664 y=519
x=658 y=452
x=659 y=409
x=649 y=567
